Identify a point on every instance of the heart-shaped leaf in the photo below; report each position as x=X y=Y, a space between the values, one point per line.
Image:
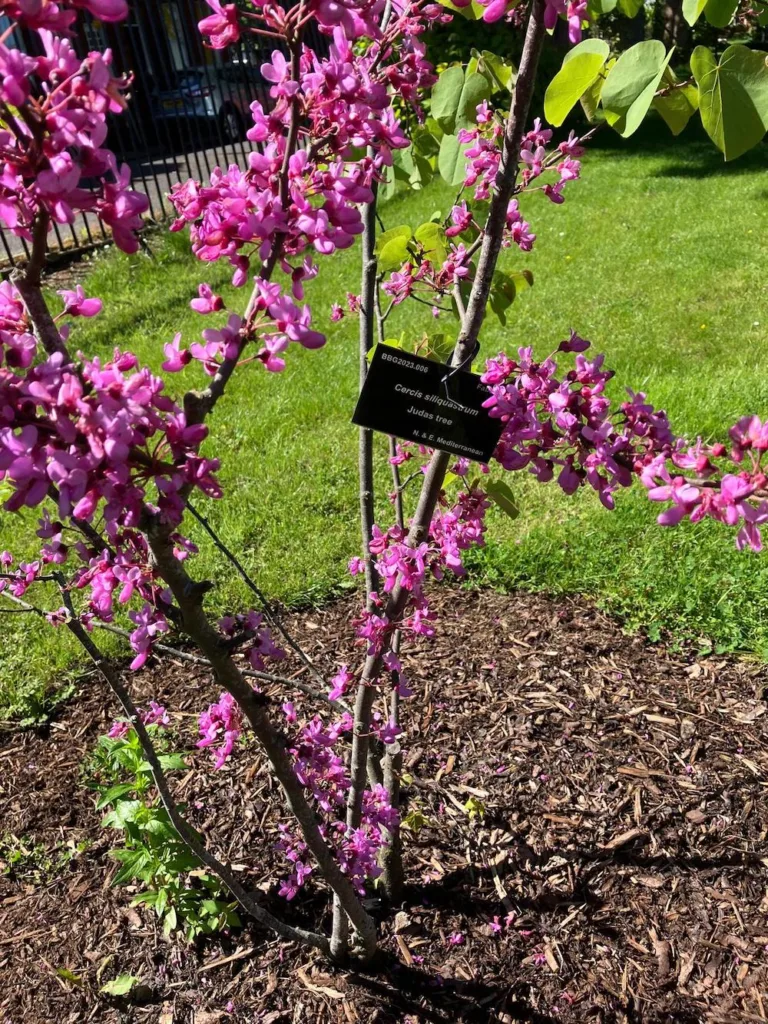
x=679 y=105
x=733 y=97
x=720 y=12
x=446 y=97
x=120 y=986
x=499 y=72
x=476 y=89
x=692 y=10
x=503 y=496
x=631 y=84
x=401 y=231
x=451 y=161
x=580 y=69
x=630 y=8
x=432 y=238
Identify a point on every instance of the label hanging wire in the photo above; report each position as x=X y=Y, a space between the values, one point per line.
x=444 y=380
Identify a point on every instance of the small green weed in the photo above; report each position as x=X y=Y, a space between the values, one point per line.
x=151 y=854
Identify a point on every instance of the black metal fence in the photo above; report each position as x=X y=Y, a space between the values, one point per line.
x=189 y=107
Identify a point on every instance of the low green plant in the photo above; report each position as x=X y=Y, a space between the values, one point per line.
x=24 y=858
x=173 y=882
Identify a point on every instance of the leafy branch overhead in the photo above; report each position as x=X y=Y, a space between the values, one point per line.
x=730 y=92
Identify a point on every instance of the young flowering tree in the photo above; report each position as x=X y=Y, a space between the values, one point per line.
x=112 y=462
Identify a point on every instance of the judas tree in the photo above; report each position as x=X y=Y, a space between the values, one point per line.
x=114 y=457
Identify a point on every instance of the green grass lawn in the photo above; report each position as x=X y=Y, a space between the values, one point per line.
x=658 y=256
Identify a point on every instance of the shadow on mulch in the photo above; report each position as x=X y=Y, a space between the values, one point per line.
x=594 y=848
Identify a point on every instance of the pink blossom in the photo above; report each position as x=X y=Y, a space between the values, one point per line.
x=221 y=27
x=76 y=304
x=157 y=715
x=221 y=723
x=207 y=302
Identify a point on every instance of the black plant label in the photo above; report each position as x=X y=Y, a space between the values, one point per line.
x=420 y=400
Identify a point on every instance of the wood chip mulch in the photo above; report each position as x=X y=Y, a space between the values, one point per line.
x=602 y=800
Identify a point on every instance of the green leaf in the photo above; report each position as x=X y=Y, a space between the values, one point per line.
x=67 y=975
x=679 y=105
x=596 y=8
x=433 y=128
x=432 y=237
x=172 y=762
x=590 y=101
x=437 y=346
x=502 y=495
x=475 y=808
x=720 y=12
x=692 y=10
x=630 y=8
x=161 y=902
x=446 y=97
x=169 y=762
x=391 y=185
x=499 y=73
x=120 y=986
x=451 y=161
x=733 y=97
x=631 y=84
x=522 y=278
x=476 y=89
x=401 y=231
x=109 y=796
x=124 y=812
x=394 y=254
x=580 y=69
x=424 y=140
x=134 y=862
x=415 y=166
x=415 y=821
x=472 y=12
x=505 y=287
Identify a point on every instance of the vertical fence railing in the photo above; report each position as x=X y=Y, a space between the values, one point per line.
x=188 y=111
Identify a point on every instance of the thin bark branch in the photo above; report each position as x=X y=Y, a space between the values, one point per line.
x=368 y=291
x=249 y=673
x=231 y=678
x=398 y=486
x=392 y=770
x=468 y=336
x=187 y=833
x=251 y=584
x=28 y=285
x=505 y=179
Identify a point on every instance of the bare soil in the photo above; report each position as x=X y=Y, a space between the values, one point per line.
x=619 y=799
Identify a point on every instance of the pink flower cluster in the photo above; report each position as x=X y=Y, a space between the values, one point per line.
x=574 y=11
x=564 y=423
x=322 y=770
x=726 y=484
x=98 y=439
x=59 y=15
x=484 y=153
x=453 y=529
x=57 y=138
x=221 y=724
x=93 y=432
x=156 y=715
x=430 y=280
x=291 y=204
x=248 y=629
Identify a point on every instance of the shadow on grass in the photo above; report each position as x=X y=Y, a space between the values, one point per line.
x=691 y=155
